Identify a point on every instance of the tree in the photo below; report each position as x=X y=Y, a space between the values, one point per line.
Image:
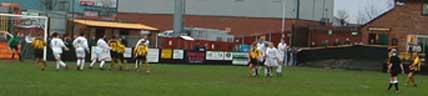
x=361 y=19
x=370 y=12
x=343 y=17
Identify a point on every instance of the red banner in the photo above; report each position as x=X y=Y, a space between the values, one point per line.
x=88 y=3
x=196 y=57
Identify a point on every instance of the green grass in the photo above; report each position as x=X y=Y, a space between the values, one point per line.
x=24 y=79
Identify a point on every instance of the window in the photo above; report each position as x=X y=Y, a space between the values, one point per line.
x=230 y=40
x=219 y=39
x=354 y=33
x=330 y=32
x=425 y=8
x=63 y=6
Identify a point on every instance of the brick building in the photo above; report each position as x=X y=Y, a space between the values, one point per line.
x=245 y=29
x=401 y=26
x=244 y=19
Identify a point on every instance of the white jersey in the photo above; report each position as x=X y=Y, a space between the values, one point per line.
x=102 y=46
x=57 y=45
x=102 y=50
x=262 y=46
x=272 y=57
x=282 y=48
x=81 y=42
x=147 y=42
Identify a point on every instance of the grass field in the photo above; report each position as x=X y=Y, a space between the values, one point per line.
x=24 y=79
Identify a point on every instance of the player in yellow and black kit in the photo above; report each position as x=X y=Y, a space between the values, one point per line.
x=39 y=44
x=415 y=67
x=140 y=53
x=254 y=56
x=117 y=51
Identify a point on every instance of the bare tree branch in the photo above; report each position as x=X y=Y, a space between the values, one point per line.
x=361 y=19
x=343 y=17
x=370 y=12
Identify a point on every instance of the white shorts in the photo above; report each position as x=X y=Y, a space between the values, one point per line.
x=57 y=54
x=281 y=56
x=104 y=55
x=271 y=62
x=80 y=53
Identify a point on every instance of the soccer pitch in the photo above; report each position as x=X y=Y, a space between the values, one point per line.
x=25 y=79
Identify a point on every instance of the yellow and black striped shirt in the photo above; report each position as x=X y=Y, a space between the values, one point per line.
x=255 y=53
x=117 y=46
x=38 y=43
x=141 y=50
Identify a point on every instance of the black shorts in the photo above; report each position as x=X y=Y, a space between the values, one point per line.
x=254 y=61
x=261 y=63
x=38 y=53
x=141 y=58
x=394 y=73
x=116 y=55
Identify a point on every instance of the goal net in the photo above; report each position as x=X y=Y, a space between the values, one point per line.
x=17 y=31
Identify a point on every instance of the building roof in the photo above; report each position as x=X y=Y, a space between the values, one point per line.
x=378 y=17
x=112 y=24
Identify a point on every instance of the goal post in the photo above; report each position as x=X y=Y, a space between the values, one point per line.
x=26 y=25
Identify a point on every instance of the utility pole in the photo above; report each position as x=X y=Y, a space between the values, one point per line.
x=283 y=19
x=72 y=17
x=179 y=17
x=282 y=2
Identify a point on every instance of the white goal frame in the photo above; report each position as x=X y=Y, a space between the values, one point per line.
x=45 y=29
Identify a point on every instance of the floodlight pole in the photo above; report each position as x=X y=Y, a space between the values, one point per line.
x=179 y=16
x=283 y=19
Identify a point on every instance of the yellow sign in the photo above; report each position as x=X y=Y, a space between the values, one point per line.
x=166 y=54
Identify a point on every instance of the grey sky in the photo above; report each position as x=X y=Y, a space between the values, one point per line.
x=354 y=7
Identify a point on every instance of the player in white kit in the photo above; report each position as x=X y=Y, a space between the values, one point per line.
x=272 y=58
x=261 y=45
x=102 y=53
x=81 y=47
x=282 y=48
x=57 y=44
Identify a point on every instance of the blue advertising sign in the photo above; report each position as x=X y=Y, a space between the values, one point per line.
x=244 y=47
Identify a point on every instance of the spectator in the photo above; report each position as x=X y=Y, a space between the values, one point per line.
x=124 y=41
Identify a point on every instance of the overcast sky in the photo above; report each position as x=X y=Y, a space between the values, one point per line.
x=354 y=7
